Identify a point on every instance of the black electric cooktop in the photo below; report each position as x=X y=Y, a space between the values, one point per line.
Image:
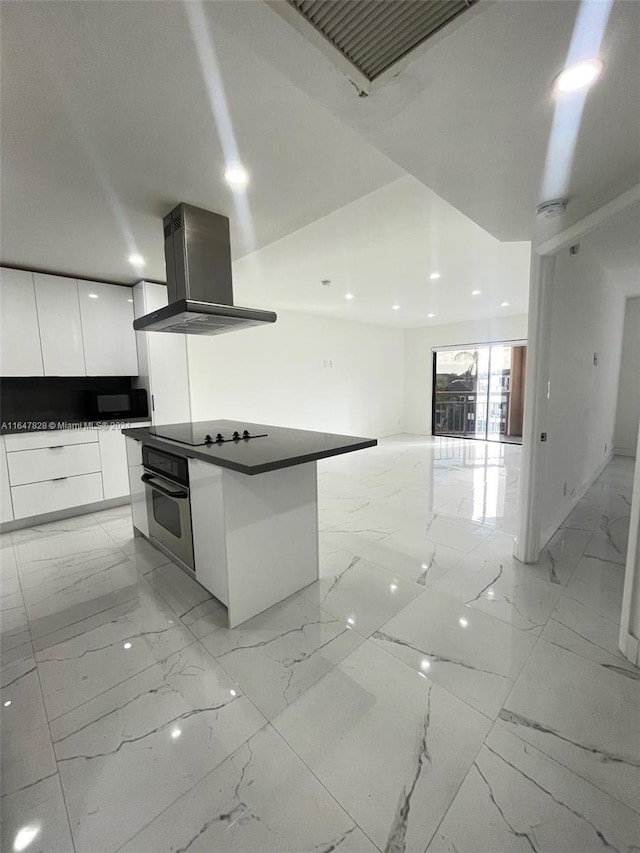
x=206 y=433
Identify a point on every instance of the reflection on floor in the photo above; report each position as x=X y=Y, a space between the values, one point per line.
x=429 y=693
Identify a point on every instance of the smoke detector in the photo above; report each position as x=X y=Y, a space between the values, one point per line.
x=553 y=208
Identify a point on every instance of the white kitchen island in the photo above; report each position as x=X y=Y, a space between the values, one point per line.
x=254 y=507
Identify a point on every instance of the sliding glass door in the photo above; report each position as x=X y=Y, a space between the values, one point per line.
x=478 y=392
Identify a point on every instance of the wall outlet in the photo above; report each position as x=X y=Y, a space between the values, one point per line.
x=595 y=358
x=605 y=448
x=564 y=490
x=327 y=362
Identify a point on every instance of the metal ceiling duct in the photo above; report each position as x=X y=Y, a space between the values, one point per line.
x=374 y=34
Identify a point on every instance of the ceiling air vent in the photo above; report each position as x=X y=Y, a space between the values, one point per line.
x=374 y=34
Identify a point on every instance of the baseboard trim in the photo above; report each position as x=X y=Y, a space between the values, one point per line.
x=624 y=451
x=564 y=513
x=62 y=514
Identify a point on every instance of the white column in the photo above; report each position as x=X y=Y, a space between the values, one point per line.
x=629 y=641
x=527 y=546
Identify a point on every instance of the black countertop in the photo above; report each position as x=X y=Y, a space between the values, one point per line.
x=281 y=448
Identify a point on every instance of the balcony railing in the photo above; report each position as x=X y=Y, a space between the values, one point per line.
x=464 y=414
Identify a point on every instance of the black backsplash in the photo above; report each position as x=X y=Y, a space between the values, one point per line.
x=54 y=398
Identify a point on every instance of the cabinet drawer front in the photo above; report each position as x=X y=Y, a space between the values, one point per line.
x=53 y=495
x=49 y=438
x=48 y=463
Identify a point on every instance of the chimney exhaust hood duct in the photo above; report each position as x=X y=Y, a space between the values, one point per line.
x=197 y=252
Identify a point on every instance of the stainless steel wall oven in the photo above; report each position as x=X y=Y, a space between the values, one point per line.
x=166 y=479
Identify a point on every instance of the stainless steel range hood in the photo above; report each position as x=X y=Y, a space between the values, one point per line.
x=198 y=258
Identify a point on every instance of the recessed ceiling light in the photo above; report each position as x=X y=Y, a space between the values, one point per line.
x=504 y=304
x=476 y=292
x=127 y=645
x=236 y=176
x=434 y=276
x=137 y=260
x=7 y=703
x=93 y=296
x=431 y=316
x=396 y=307
x=579 y=76
x=463 y=622
x=349 y=296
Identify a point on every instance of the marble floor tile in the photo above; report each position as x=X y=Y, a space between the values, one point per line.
x=191 y=602
x=587 y=626
x=391 y=746
x=586 y=718
x=280 y=653
x=181 y=592
x=205 y=618
x=609 y=543
x=36 y=819
x=412 y=557
x=504 y=588
x=458 y=534
x=606 y=655
x=262 y=799
x=99 y=652
x=26 y=749
x=37 y=548
x=127 y=755
x=99 y=584
x=362 y=595
x=515 y=799
x=125 y=659
x=143 y=554
x=14 y=625
x=471 y=654
x=597 y=584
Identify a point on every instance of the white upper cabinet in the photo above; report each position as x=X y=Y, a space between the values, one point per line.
x=20 y=353
x=164 y=361
x=60 y=326
x=107 y=329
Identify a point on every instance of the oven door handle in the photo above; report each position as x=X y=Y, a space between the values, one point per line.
x=151 y=481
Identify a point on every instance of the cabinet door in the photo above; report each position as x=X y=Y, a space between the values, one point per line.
x=137 y=488
x=6 y=507
x=168 y=370
x=20 y=353
x=113 y=455
x=107 y=329
x=60 y=327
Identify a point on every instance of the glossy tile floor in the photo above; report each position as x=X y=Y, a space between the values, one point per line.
x=429 y=693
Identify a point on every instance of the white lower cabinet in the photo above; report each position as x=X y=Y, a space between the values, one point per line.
x=137 y=488
x=49 y=471
x=113 y=456
x=54 y=495
x=53 y=463
x=6 y=506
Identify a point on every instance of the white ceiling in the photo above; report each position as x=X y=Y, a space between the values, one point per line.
x=383 y=248
x=107 y=124
x=471 y=114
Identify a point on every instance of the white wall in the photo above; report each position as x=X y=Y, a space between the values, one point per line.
x=418 y=378
x=587 y=318
x=276 y=374
x=628 y=409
